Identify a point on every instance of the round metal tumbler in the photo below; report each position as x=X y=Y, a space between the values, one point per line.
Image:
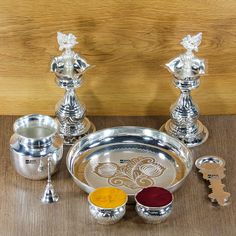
x=186 y=69
x=70 y=112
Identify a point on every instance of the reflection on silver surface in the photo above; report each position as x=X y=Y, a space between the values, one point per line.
x=107 y=216
x=199 y=163
x=129 y=158
x=70 y=112
x=184 y=113
x=153 y=215
x=33 y=141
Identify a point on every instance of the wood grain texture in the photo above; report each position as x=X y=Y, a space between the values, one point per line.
x=128 y=41
x=21 y=212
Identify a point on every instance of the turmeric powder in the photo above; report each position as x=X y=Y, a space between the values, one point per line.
x=108 y=197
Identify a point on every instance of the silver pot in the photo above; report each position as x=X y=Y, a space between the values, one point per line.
x=35 y=139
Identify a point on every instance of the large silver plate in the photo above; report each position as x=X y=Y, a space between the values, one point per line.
x=129 y=158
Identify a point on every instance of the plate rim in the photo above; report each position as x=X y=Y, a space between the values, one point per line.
x=85 y=187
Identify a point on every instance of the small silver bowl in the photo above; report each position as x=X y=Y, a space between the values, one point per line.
x=35 y=138
x=153 y=215
x=107 y=216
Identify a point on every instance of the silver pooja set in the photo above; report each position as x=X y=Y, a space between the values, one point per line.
x=129 y=158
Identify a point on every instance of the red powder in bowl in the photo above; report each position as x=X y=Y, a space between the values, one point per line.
x=154 y=197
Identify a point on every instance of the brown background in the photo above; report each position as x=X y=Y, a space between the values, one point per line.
x=128 y=41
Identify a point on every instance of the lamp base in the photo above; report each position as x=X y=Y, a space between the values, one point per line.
x=189 y=136
x=70 y=136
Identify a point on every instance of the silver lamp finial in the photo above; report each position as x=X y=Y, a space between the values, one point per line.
x=66 y=41
x=191 y=43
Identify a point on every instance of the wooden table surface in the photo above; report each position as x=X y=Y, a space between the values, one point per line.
x=21 y=212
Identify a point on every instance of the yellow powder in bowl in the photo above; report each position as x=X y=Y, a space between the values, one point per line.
x=108 y=197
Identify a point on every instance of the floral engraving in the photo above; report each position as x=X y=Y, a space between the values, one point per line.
x=136 y=173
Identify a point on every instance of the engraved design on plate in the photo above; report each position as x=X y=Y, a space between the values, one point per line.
x=138 y=172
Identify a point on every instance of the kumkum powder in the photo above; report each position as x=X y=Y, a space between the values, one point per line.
x=154 y=197
x=108 y=197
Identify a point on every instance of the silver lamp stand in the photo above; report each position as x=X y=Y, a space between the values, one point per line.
x=184 y=113
x=70 y=112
